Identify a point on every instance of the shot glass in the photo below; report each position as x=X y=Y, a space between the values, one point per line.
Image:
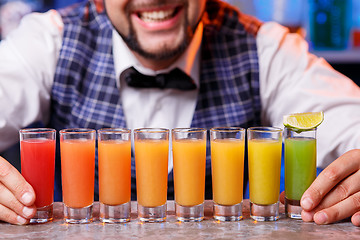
x=114 y=158
x=77 y=146
x=227 y=165
x=264 y=155
x=37 y=147
x=300 y=168
x=151 y=162
x=189 y=158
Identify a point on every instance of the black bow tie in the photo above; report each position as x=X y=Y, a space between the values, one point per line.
x=175 y=79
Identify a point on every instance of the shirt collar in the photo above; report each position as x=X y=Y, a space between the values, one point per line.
x=189 y=62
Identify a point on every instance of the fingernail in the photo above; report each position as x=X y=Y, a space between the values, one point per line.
x=26 y=198
x=356 y=220
x=321 y=218
x=27 y=211
x=21 y=220
x=306 y=203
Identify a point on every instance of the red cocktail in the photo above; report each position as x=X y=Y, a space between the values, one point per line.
x=37 y=166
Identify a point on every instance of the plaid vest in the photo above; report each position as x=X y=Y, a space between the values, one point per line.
x=84 y=93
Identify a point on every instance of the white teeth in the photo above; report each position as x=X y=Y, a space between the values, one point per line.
x=156 y=16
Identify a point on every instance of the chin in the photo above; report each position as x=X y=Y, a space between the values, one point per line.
x=164 y=51
x=164 y=54
x=159 y=46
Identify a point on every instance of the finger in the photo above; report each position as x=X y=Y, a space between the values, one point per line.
x=282 y=197
x=16 y=183
x=307 y=216
x=8 y=200
x=355 y=219
x=343 y=190
x=339 y=211
x=342 y=167
x=9 y=216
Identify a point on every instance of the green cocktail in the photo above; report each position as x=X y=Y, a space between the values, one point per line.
x=300 y=167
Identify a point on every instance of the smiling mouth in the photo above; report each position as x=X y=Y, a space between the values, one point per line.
x=155 y=16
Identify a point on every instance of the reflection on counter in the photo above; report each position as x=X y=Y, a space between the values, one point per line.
x=284 y=228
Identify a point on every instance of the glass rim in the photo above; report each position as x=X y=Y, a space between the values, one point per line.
x=264 y=129
x=151 y=130
x=113 y=130
x=77 y=130
x=302 y=130
x=227 y=129
x=188 y=130
x=37 y=130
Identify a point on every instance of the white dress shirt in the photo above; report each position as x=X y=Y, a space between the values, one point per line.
x=291 y=80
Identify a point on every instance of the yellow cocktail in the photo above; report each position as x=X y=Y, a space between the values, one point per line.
x=264 y=171
x=264 y=155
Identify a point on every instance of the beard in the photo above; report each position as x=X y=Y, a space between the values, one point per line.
x=165 y=52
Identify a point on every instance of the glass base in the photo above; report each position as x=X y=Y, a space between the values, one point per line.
x=264 y=212
x=293 y=208
x=115 y=214
x=189 y=214
x=152 y=214
x=43 y=215
x=78 y=215
x=228 y=213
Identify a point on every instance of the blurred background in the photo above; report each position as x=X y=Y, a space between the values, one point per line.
x=331 y=27
x=11 y=11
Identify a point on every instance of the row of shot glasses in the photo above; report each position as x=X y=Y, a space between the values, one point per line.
x=151 y=148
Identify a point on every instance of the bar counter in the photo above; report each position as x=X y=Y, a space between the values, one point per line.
x=284 y=228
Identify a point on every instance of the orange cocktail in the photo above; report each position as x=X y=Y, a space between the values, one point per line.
x=77 y=166
x=114 y=156
x=114 y=172
x=189 y=157
x=151 y=172
x=77 y=148
x=227 y=166
x=151 y=161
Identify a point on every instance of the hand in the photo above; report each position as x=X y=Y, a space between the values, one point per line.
x=335 y=193
x=17 y=197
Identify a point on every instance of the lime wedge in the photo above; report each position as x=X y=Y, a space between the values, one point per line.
x=303 y=121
